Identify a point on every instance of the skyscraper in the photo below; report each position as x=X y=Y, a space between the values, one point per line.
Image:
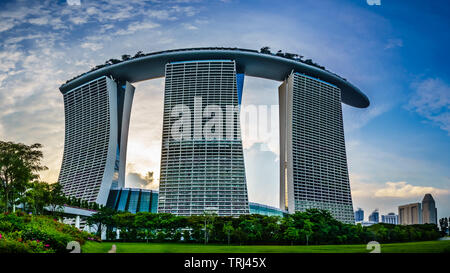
x=374 y=216
x=359 y=215
x=429 y=211
x=313 y=162
x=201 y=172
x=97 y=116
x=410 y=214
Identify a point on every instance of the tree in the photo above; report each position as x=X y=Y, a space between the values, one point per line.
x=112 y=61
x=19 y=164
x=291 y=234
x=125 y=221
x=240 y=234
x=37 y=196
x=228 y=229
x=125 y=57
x=146 y=223
x=138 y=54
x=307 y=230
x=280 y=53
x=195 y=224
x=265 y=50
x=443 y=223
x=104 y=217
x=270 y=227
x=292 y=56
x=56 y=198
x=209 y=220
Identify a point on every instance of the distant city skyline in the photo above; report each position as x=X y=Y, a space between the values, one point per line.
x=395 y=148
x=427 y=206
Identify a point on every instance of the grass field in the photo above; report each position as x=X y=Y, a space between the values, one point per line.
x=414 y=247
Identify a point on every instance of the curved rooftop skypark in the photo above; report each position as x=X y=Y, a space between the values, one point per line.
x=198 y=173
x=250 y=62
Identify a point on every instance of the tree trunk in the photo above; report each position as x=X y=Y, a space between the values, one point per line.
x=7 y=200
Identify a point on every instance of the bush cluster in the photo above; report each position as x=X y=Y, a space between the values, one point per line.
x=23 y=233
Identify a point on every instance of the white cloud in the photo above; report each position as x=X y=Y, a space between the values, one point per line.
x=137 y=180
x=161 y=14
x=262 y=173
x=190 y=26
x=6 y=25
x=18 y=39
x=431 y=100
x=404 y=190
x=39 y=21
x=186 y=10
x=136 y=26
x=78 y=20
x=92 y=46
x=9 y=60
x=73 y=2
x=356 y=118
x=132 y=28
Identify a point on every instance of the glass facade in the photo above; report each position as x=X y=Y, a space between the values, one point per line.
x=374 y=216
x=240 y=86
x=133 y=200
x=359 y=215
x=197 y=173
x=141 y=200
x=256 y=208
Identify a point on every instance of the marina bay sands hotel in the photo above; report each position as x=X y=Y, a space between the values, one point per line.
x=198 y=172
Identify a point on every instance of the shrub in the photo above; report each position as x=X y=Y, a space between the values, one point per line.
x=39 y=247
x=57 y=240
x=23 y=233
x=13 y=246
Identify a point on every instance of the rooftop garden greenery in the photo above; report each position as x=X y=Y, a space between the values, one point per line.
x=263 y=50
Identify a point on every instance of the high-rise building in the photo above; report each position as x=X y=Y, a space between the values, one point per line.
x=97 y=116
x=374 y=216
x=313 y=162
x=390 y=218
x=410 y=214
x=359 y=215
x=429 y=211
x=201 y=170
x=201 y=173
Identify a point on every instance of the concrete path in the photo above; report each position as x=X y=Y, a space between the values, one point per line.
x=113 y=249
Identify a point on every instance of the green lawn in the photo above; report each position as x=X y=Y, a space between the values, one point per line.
x=414 y=247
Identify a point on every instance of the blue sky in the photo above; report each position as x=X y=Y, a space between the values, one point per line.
x=397 y=53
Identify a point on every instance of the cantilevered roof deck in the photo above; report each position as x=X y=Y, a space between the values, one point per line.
x=249 y=62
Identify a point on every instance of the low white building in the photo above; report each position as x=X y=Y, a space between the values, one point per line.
x=390 y=218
